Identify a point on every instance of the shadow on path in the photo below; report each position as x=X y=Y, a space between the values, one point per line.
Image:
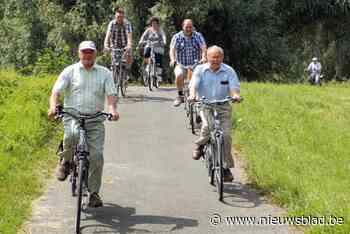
x=122 y=219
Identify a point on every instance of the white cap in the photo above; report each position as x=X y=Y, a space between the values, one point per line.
x=314 y=59
x=87 y=45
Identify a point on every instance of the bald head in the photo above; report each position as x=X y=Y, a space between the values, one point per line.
x=187 y=27
x=215 y=56
x=215 y=49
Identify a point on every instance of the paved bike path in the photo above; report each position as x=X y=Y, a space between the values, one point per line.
x=150 y=182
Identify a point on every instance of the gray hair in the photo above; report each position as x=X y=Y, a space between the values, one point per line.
x=216 y=48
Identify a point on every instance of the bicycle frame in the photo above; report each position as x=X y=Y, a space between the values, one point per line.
x=80 y=161
x=118 y=68
x=151 y=75
x=213 y=150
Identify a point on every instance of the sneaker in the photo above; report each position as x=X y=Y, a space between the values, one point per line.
x=178 y=100
x=228 y=177
x=62 y=170
x=197 y=152
x=95 y=200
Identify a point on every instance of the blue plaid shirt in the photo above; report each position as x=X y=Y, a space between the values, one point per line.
x=187 y=49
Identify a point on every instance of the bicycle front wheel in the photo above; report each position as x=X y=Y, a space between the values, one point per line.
x=219 y=172
x=81 y=180
x=209 y=156
x=144 y=76
x=116 y=79
x=192 y=118
x=123 y=83
x=150 y=79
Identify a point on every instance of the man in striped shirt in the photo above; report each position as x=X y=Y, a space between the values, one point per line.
x=85 y=86
x=119 y=35
x=187 y=47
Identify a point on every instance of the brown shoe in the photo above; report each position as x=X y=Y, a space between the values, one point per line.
x=95 y=200
x=228 y=177
x=197 y=152
x=62 y=170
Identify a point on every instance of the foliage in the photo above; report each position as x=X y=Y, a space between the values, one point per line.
x=259 y=37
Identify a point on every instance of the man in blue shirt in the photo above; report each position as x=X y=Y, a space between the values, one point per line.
x=215 y=81
x=186 y=48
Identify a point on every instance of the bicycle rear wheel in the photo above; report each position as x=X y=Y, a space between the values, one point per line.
x=219 y=172
x=150 y=79
x=81 y=180
x=116 y=79
x=144 y=76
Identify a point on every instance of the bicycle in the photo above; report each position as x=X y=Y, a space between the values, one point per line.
x=79 y=164
x=316 y=79
x=150 y=70
x=191 y=108
x=119 y=70
x=214 y=148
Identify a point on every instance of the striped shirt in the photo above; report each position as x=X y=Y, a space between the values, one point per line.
x=85 y=90
x=214 y=85
x=187 y=49
x=117 y=35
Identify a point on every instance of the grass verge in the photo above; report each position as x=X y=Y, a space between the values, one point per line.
x=296 y=140
x=25 y=155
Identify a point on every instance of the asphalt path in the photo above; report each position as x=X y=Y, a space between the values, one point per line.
x=152 y=185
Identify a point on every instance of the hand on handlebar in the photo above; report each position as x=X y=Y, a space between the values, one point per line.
x=236 y=98
x=172 y=63
x=107 y=50
x=203 y=60
x=114 y=116
x=51 y=113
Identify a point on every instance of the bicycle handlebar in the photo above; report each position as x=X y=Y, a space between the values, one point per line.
x=60 y=112
x=228 y=99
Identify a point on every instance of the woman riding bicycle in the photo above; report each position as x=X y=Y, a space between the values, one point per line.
x=155 y=36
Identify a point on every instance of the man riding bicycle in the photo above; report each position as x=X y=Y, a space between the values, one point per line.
x=314 y=70
x=155 y=35
x=186 y=48
x=119 y=35
x=215 y=81
x=85 y=86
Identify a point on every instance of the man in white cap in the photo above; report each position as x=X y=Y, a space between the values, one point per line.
x=85 y=86
x=314 y=70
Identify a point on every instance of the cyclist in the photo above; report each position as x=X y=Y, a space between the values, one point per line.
x=154 y=34
x=186 y=47
x=85 y=86
x=119 y=35
x=215 y=80
x=314 y=70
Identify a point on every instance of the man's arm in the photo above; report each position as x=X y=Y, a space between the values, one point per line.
x=108 y=36
x=194 y=83
x=60 y=86
x=53 y=103
x=112 y=107
x=204 y=53
x=172 y=54
x=234 y=84
x=129 y=34
x=129 y=44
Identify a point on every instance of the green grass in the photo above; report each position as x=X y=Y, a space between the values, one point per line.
x=25 y=157
x=296 y=139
